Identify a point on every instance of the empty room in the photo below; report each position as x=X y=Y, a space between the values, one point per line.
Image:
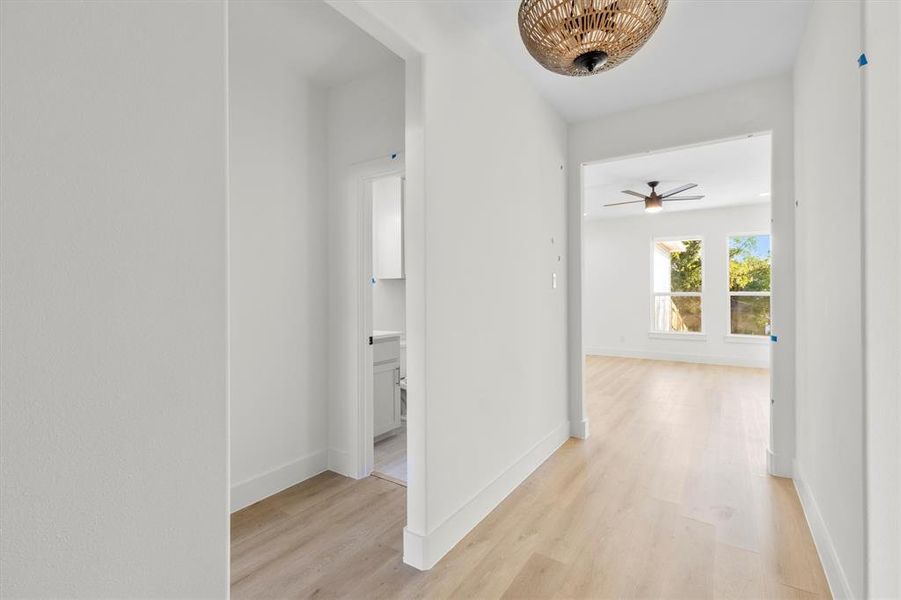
x=677 y=297
x=450 y=299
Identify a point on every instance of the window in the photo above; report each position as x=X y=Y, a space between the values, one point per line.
x=677 y=286
x=749 y=285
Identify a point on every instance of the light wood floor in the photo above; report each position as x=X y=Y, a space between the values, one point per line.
x=390 y=456
x=668 y=498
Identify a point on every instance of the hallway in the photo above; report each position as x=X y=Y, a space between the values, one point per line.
x=669 y=497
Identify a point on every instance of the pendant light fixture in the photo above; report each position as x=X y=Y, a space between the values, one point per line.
x=584 y=37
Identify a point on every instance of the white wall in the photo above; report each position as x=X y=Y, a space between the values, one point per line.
x=882 y=148
x=486 y=331
x=388 y=300
x=388 y=295
x=495 y=347
x=358 y=131
x=278 y=266
x=113 y=432
x=617 y=285
x=829 y=464
x=764 y=105
x=848 y=372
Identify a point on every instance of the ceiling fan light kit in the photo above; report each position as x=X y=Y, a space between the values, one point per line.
x=653 y=205
x=584 y=37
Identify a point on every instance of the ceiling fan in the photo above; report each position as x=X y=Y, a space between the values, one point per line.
x=654 y=202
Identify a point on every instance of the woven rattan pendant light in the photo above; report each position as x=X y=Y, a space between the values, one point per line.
x=584 y=37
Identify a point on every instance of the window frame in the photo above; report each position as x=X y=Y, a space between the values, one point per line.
x=687 y=335
x=747 y=338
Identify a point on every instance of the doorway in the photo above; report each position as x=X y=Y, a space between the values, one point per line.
x=387 y=284
x=377 y=189
x=688 y=282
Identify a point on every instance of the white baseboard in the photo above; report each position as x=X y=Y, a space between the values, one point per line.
x=424 y=551
x=253 y=490
x=835 y=574
x=340 y=462
x=778 y=466
x=734 y=361
x=579 y=429
x=416 y=551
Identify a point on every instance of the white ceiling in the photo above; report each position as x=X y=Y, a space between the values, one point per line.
x=728 y=173
x=325 y=46
x=701 y=45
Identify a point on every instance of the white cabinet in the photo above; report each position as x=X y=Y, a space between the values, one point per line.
x=388 y=228
x=385 y=383
x=385 y=399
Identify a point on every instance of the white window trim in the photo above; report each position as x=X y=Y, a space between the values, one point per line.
x=745 y=338
x=688 y=335
x=693 y=336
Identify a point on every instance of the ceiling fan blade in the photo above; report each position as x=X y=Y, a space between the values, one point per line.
x=630 y=192
x=626 y=202
x=683 y=198
x=681 y=188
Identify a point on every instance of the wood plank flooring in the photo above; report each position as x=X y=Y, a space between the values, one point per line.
x=669 y=498
x=390 y=456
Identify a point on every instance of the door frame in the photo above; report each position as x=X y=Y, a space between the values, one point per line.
x=775 y=368
x=361 y=416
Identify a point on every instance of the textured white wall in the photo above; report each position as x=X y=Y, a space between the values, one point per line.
x=764 y=105
x=278 y=260
x=618 y=278
x=113 y=433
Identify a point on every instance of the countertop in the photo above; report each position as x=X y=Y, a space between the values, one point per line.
x=378 y=334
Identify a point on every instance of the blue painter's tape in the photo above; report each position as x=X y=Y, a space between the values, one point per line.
x=861 y=60
x=774 y=338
